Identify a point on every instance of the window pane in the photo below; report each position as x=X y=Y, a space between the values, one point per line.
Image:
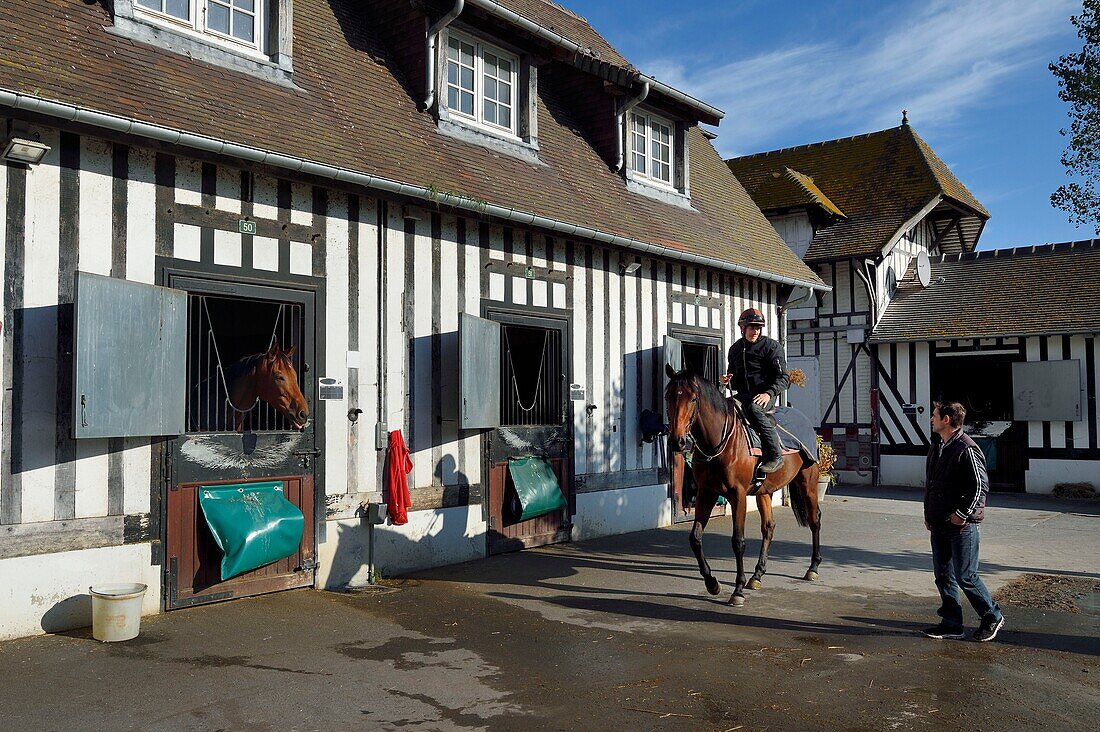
x=452 y=74
x=504 y=93
x=217 y=18
x=504 y=66
x=176 y=8
x=490 y=88
x=505 y=117
x=452 y=97
x=466 y=103
x=490 y=63
x=242 y=27
x=467 y=56
x=490 y=112
x=467 y=78
x=452 y=50
x=248 y=5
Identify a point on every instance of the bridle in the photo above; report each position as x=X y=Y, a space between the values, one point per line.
x=727 y=431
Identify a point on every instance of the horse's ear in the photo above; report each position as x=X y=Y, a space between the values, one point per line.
x=274 y=348
x=669 y=371
x=290 y=351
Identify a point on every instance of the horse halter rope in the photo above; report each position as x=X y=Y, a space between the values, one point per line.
x=727 y=432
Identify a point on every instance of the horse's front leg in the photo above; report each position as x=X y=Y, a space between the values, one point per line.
x=767 y=529
x=737 y=599
x=704 y=504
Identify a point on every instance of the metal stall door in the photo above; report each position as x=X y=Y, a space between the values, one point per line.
x=226 y=324
x=491 y=399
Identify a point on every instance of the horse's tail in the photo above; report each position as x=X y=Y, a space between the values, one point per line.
x=800 y=504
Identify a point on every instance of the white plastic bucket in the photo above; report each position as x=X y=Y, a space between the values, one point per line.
x=116 y=611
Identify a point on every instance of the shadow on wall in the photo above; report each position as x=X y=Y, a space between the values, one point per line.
x=426 y=541
x=72 y=612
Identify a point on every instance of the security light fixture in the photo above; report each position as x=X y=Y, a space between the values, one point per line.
x=630 y=268
x=22 y=150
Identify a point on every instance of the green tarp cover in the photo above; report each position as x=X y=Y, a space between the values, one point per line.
x=537 y=488
x=253 y=523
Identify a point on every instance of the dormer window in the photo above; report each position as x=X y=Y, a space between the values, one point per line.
x=234 y=21
x=481 y=84
x=651 y=147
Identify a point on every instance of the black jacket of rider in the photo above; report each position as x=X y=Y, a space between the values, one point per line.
x=757 y=368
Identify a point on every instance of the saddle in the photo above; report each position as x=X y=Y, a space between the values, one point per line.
x=796 y=434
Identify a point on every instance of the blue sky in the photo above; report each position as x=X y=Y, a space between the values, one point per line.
x=972 y=73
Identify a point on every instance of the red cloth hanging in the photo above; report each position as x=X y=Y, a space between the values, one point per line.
x=397 y=481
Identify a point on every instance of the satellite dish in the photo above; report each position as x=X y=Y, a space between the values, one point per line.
x=924 y=269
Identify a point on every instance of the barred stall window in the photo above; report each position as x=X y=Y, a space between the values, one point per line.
x=531 y=376
x=225 y=335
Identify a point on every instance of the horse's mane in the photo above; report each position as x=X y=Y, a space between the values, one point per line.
x=707 y=391
x=242 y=366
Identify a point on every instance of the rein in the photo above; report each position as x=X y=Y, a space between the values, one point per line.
x=727 y=432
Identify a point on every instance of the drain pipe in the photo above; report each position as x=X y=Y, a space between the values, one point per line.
x=433 y=38
x=621 y=118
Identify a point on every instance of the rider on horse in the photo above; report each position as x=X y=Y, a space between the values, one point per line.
x=758 y=372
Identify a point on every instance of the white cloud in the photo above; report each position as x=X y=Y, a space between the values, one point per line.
x=936 y=60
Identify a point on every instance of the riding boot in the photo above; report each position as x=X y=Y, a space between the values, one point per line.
x=771 y=448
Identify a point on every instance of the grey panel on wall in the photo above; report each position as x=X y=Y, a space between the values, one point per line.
x=129 y=356
x=479 y=372
x=674 y=353
x=1046 y=391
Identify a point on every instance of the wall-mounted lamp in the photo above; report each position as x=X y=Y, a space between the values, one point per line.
x=22 y=150
x=630 y=268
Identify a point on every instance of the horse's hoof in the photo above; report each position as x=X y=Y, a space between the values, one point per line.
x=737 y=600
x=754 y=584
x=811 y=576
x=713 y=585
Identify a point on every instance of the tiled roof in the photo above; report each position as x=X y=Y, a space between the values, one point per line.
x=1050 y=288
x=349 y=108
x=568 y=24
x=879 y=180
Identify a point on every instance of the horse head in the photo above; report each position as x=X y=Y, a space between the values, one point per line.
x=277 y=384
x=682 y=402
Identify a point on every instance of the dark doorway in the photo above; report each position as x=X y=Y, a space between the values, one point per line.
x=983 y=384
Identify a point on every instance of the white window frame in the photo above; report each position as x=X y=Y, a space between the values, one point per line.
x=650 y=121
x=478 y=119
x=197 y=26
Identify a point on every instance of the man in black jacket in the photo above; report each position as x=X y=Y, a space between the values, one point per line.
x=757 y=370
x=954 y=505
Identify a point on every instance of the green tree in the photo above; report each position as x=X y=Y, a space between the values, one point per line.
x=1079 y=85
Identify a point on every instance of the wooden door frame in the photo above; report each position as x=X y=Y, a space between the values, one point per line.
x=530 y=316
x=677 y=468
x=218 y=280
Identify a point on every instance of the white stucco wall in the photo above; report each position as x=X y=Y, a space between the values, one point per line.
x=1043 y=475
x=46 y=593
x=907 y=470
x=429 y=539
x=621 y=511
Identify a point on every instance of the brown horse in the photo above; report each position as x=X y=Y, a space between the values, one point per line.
x=269 y=376
x=700 y=418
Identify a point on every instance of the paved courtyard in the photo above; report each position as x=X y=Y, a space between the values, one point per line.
x=618 y=633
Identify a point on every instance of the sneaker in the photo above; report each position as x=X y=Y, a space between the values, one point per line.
x=988 y=631
x=944 y=632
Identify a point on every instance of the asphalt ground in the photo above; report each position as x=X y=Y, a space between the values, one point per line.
x=617 y=633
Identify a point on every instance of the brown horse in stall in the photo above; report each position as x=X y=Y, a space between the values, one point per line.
x=268 y=376
x=700 y=418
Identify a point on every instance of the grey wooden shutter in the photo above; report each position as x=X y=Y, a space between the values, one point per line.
x=674 y=353
x=479 y=372
x=129 y=356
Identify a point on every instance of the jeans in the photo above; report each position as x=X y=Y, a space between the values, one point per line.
x=955 y=564
x=757 y=416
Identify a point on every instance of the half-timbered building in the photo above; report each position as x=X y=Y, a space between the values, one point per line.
x=474 y=222
x=916 y=314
